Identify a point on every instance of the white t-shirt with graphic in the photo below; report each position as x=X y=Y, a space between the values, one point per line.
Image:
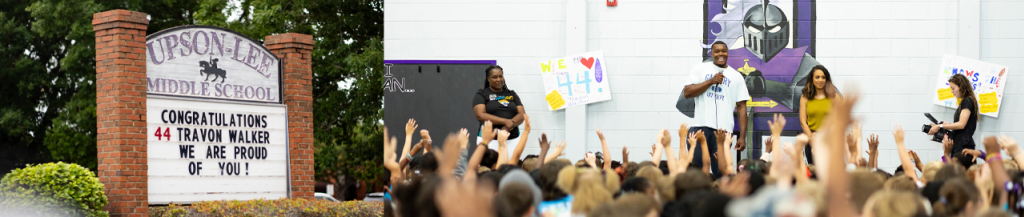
x=715 y=106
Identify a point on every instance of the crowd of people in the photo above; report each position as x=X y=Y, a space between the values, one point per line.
x=822 y=174
x=451 y=181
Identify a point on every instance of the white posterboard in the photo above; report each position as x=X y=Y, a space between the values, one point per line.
x=988 y=81
x=216 y=128
x=201 y=151
x=575 y=80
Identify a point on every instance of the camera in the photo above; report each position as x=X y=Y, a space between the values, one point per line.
x=928 y=127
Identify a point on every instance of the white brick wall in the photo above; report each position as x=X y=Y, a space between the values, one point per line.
x=891 y=49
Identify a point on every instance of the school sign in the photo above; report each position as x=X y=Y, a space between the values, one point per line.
x=199 y=113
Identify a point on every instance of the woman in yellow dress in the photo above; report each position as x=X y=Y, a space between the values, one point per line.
x=815 y=103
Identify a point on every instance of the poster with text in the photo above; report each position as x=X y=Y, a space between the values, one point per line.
x=575 y=80
x=204 y=151
x=988 y=81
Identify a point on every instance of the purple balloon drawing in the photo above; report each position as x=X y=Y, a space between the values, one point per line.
x=598 y=73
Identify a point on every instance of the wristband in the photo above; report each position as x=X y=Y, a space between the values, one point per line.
x=410 y=156
x=943 y=159
x=983 y=155
x=994 y=157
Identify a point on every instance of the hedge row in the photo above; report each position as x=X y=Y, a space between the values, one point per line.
x=282 y=207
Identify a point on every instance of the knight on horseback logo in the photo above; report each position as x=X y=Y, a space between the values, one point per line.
x=210 y=68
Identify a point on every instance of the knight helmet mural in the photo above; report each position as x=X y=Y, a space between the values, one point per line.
x=771 y=43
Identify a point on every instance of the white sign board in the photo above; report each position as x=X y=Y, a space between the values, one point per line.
x=575 y=80
x=988 y=81
x=216 y=128
x=215 y=151
x=211 y=63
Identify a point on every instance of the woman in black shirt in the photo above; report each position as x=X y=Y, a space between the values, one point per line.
x=496 y=103
x=965 y=119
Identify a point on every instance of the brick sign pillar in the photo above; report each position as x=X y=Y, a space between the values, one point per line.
x=121 y=109
x=295 y=51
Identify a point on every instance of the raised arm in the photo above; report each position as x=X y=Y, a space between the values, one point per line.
x=604 y=147
x=873 y=151
x=1011 y=148
x=502 y=148
x=656 y=154
x=686 y=158
x=908 y=167
x=800 y=173
x=776 y=127
x=524 y=137
x=410 y=128
x=558 y=152
x=544 y=146
x=705 y=155
x=723 y=137
x=625 y=156
x=389 y=157
x=837 y=186
x=665 y=139
x=998 y=172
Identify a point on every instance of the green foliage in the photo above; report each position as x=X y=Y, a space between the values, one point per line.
x=52 y=189
x=283 y=207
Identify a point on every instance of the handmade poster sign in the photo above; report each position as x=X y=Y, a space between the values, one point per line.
x=575 y=80
x=988 y=81
x=216 y=128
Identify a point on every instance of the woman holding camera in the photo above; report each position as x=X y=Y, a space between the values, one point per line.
x=965 y=120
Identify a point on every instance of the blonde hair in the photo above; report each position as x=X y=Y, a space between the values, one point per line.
x=530 y=164
x=588 y=186
x=930 y=169
x=862 y=185
x=665 y=188
x=900 y=183
x=895 y=203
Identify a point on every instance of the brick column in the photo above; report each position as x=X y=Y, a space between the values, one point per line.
x=295 y=51
x=121 y=110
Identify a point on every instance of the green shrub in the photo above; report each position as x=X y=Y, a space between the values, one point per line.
x=52 y=189
x=282 y=207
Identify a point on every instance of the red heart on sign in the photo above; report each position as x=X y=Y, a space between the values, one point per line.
x=588 y=62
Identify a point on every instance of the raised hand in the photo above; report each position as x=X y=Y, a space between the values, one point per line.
x=487 y=132
x=693 y=138
x=463 y=138
x=682 y=130
x=720 y=137
x=665 y=138
x=777 y=125
x=897 y=132
x=768 y=144
x=700 y=136
x=915 y=157
x=625 y=155
x=410 y=127
x=971 y=152
x=600 y=135
x=873 y=142
x=947 y=145
x=991 y=144
x=526 y=123
x=544 y=144
x=502 y=138
x=728 y=138
x=1009 y=145
x=802 y=139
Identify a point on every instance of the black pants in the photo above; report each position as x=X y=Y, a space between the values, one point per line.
x=709 y=135
x=808 y=153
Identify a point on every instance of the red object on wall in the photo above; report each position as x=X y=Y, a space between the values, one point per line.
x=612 y=2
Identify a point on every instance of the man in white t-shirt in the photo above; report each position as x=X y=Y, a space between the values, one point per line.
x=719 y=90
